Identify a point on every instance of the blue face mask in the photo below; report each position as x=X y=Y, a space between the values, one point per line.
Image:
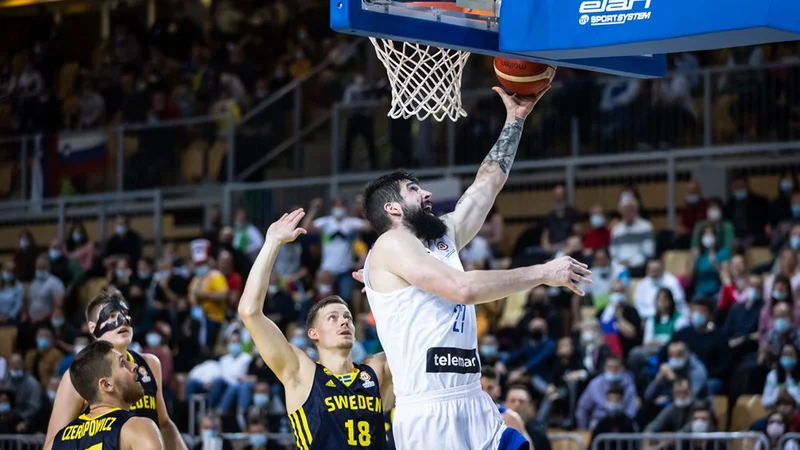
x=796 y=210
x=208 y=434
x=692 y=198
x=197 y=312
x=794 y=242
x=234 y=348
x=779 y=295
x=489 y=350
x=153 y=339
x=201 y=271
x=699 y=320
x=788 y=362
x=298 y=341
x=782 y=325
x=54 y=253
x=787 y=185
x=57 y=322
x=597 y=220
x=740 y=194
x=612 y=376
x=5 y=408
x=42 y=343
x=258 y=440
x=260 y=400
x=614 y=407
x=8 y=276
x=677 y=363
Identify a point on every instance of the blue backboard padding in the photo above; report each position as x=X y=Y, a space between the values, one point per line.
x=348 y=16
x=574 y=28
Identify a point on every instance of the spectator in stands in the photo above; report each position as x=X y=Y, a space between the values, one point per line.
x=338 y=231
x=27 y=390
x=593 y=407
x=620 y=323
x=658 y=330
x=721 y=228
x=671 y=113
x=91 y=107
x=59 y=264
x=247 y=238
x=616 y=421
x=25 y=257
x=787 y=271
x=169 y=287
x=81 y=341
x=784 y=331
x=518 y=399
x=749 y=213
x=208 y=290
x=782 y=227
x=539 y=305
x=707 y=264
x=489 y=350
x=709 y=344
x=787 y=407
x=43 y=361
x=598 y=236
x=534 y=359
x=785 y=375
x=257 y=437
x=681 y=364
x=645 y=296
x=741 y=328
x=30 y=81
x=263 y=403
x=45 y=292
x=157 y=343
x=776 y=428
x=604 y=273
x=781 y=207
x=593 y=349
x=187 y=336
x=279 y=305
x=694 y=211
x=701 y=420
x=211 y=434
x=63 y=332
x=564 y=387
x=234 y=279
x=291 y=264
x=241 y=262
x=476 y=254
x=492 y=231
x=781 y=292
x=632 y=241
x=676 y=413
x=735 y=286
x=79 y=247
x=234 y=365
x=120 y=276
x=559 y=224
x=124 y=243
x=10 y=420
x=11 y=296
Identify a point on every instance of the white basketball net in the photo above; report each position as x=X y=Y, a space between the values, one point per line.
x=425 y=80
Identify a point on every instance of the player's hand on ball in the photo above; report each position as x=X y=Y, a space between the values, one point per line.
x=567 y=272
x=285 y=229
x=518 y=105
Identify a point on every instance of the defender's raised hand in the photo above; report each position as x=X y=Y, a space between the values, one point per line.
x=285 y=229
x=567 y=272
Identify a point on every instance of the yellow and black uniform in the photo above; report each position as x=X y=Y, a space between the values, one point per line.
x=342 y=411
x=389 y=419
x=146 y=406
x=98 y=433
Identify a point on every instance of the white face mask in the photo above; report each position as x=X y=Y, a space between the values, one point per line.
x=699 y=426
x=713 y=214
x=709 y=241
x=338 y=212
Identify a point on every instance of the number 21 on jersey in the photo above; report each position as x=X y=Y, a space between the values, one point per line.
x=459 y=313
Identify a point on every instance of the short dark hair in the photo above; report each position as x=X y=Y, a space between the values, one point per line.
x=329 y=300
x=379 y=192
x=705 y=302
x=488 y=372
x=106 y=295
x=521 y=387
x=615 y=390
x=88 y=367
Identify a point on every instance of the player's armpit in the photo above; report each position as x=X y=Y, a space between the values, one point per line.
x=140 y=433
x=67 y=406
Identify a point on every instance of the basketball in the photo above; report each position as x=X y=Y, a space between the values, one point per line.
x=523 y=77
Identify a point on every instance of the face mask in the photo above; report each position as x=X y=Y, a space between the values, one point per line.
x=794 y=242
x=51 y=395
x=8 y=276
x=121 y=273
x=153 y=339
x=692 y=198
x=489 y=350
x=699 y=426
x=597 y=220
x=23 y=243
x=588 y=336
x=713 y=214
x=782 y=325
x=42 y=274
x=612 y=376
x=775 y=430
x=206 y=434
x=77 y=236
x=201 y=271
x=260 y=400
x=121 y=229
x=325 y=289
x=5 y=408
x=709 y=241
x=161 y=276
x=16 y=373
x=338 y=212
x=796 y=210
x=272 y=289
x=752 y=294
x=54 y=254
x=614 y=407
x=258 y=440
x=537 y=335
x=143 y=274
x=626 y=196
x=198 y=313
x=740 y=194
x=57 y=322
x=677 y=363
x=788 y=362
x=616 y=298
x=42 y=343
x=787 y=185
x=779 y=295
x=699 y=320
x=683 y=402
x=235 y=348
x=78 y=348
x=298 y=341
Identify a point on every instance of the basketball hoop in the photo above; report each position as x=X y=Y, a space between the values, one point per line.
x=425 y=80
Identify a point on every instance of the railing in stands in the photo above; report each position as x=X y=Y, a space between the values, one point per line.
x=717 y=441
x=789 y=441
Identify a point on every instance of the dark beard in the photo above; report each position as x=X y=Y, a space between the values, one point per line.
x=131 y=394
x=423 y=225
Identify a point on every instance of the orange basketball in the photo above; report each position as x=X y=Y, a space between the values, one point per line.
x=523 y=77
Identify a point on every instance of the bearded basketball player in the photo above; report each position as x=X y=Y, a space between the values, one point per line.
x=424 y=302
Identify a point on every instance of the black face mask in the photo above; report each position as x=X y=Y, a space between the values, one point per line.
x=123 y=318
x=537 y=335
x=422 y=224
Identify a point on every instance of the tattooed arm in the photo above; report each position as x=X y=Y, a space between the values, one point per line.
x=472 y=208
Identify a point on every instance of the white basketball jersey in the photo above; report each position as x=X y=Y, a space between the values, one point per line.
x=430 y=343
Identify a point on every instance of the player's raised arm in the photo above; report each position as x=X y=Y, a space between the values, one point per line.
x=140 y=433
x=417 y=268
x=280 y=356
x=473 y=207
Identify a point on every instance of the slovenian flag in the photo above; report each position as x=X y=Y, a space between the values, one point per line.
x=81 y=154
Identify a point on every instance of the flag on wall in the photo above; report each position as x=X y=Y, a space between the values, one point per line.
x=81 y=154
